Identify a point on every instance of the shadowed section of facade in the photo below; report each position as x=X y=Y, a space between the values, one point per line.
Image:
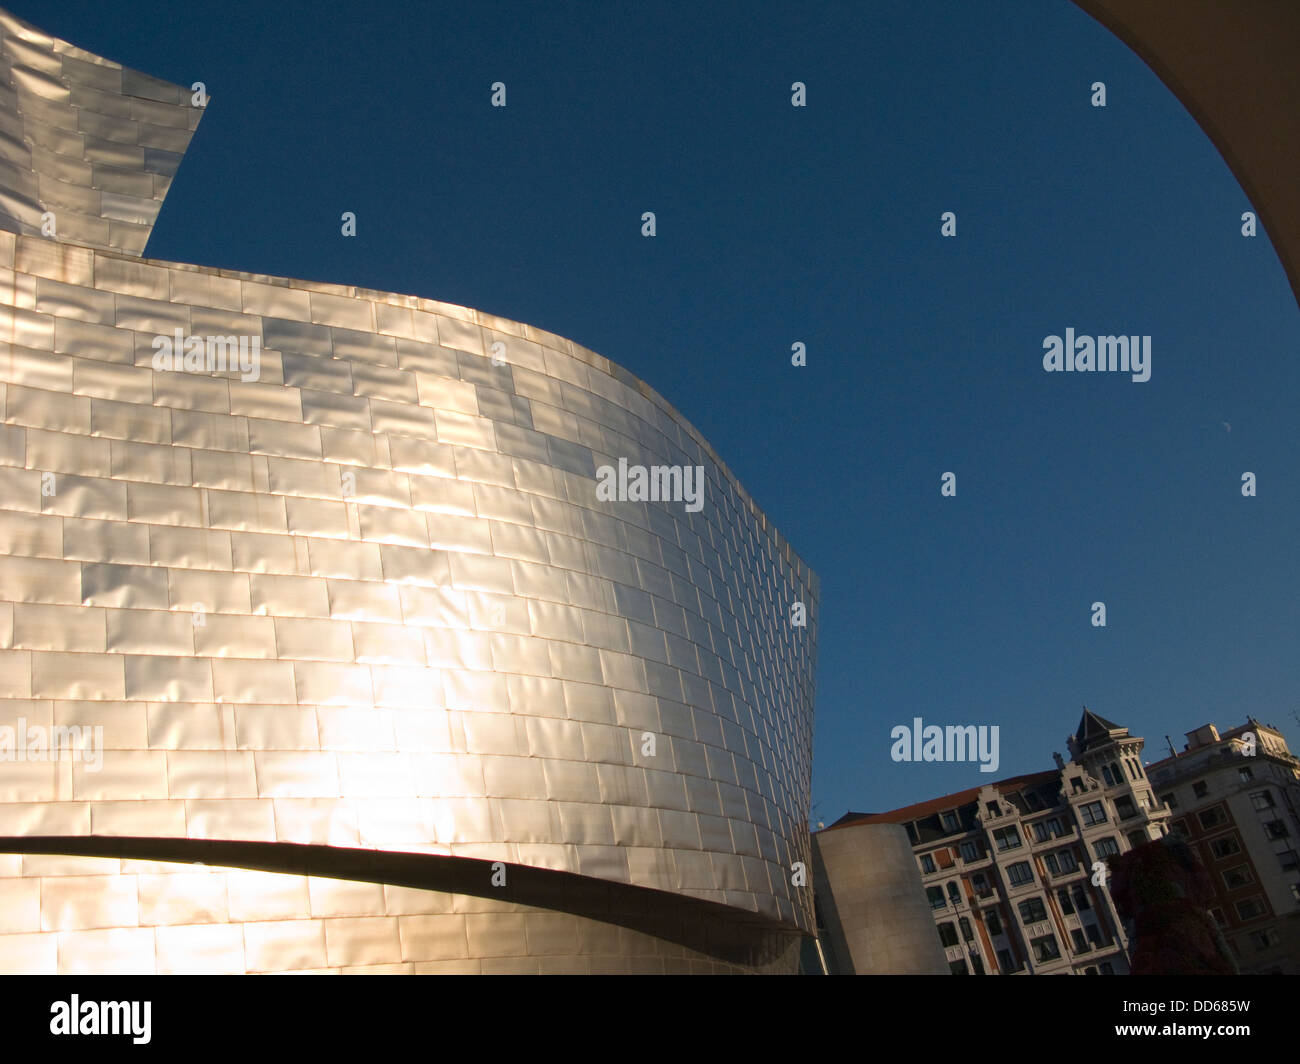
x=362 y=595
x=1234 y=798
x=670 y=928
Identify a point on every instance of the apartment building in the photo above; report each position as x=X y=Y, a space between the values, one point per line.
x=1236 y=798
x=1015 y=872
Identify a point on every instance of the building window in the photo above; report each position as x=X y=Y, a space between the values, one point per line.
x=993 y=809
x=1136 y=839
x=1251 y=908
x=1200 y=788
x=950 y=822
x=1261 y=940
x=1106 y=847
x=1094 y=936
x=1058 y=826
x=927 y=863
x=994 y=922
x=1124 y=807
x=1169 y=800
x=1063 y=897
x=1033 y=801
x=1007 y=838
x=1005 y=963
x=1212 y=817
x=958 y=967
x=1288 y=860
x=1076 y=785
x=1226 y=847
x=1217 y=916
x=1093 y=813
x=936 y=898
x=966 y=933
x=1105 y=774
x=912 y=837
x=1042 y=832
x=1020 y=873
x=1080 y=943
x=977 y=962
x=1068 y=863
x=1238 y=876
x=1262 y=800
x=1081 y=901
x=954 y=895
x=980 y=884
x=970 y=850
x=948 y=934
x=1032 y=910
x=1052 y=864
x=1045 y=949
x=1276 y=829
x=1245 y=773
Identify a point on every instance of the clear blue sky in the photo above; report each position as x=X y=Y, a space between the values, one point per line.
x=821 y=225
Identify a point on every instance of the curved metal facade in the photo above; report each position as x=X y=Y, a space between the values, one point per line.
x=360 y=628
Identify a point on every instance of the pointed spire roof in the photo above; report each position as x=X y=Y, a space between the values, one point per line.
x=1094 y=731
x=1090 y=725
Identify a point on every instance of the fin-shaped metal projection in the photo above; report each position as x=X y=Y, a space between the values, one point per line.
x=88 y=148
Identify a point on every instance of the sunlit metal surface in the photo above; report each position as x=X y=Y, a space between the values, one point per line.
x=85 y=144
x=365 y=600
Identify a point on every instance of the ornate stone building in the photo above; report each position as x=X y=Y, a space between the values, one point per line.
x=1014 y=871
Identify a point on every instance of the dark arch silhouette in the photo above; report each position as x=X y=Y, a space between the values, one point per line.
x=1233 y=66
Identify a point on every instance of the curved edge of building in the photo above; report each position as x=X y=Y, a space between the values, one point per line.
x=383 y=683
x=1232 y=66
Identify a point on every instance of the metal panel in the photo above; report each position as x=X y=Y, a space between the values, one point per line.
x=262 y=591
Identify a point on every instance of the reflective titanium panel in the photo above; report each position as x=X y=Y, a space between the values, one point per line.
x=320 y=649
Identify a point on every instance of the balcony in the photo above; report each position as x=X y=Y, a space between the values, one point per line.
x=1053 y=842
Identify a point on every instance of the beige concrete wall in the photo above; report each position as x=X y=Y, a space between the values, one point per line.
x=876 y=918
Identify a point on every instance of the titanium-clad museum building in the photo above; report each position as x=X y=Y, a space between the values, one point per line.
x=333 y=659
